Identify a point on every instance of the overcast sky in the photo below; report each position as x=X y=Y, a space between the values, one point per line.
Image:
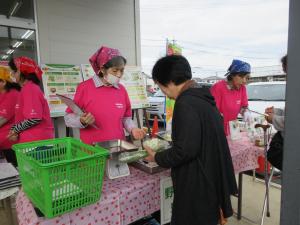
x=213 y=32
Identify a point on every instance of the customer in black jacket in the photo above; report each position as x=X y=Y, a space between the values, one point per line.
x=200 y=161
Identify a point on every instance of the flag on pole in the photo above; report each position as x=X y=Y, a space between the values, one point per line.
x=174 y=49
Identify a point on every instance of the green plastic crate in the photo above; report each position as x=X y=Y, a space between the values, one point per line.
x=60 y=175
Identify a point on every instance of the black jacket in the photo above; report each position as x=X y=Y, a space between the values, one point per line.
x=200 y=161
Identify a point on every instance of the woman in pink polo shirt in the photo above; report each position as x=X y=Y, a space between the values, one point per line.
x=104 y=100
x=32 y=114
x=230 y=94
x=9 y=94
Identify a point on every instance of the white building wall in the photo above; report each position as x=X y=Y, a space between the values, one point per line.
x=70 y=31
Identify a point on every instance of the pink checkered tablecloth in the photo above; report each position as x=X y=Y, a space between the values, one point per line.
x=244 y=153
x=130 y=198
x=123 y=201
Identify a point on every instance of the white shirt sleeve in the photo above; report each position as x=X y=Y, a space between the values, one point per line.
x=73 y=120
x=128 y=124
x=279 y=112
x=2 y=121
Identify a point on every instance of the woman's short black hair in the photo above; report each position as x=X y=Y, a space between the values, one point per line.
x=32 y=76
x=173 y=68
x=284 y=60
x=284 y=63
x=9 y=86
x=232 y=75
x=12 y=65
x=115 y=62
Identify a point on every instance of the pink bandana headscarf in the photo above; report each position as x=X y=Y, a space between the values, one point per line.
x=28 y=66
x=102 y=56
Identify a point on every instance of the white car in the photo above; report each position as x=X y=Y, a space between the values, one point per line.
x=157 y=104
x=266 y=94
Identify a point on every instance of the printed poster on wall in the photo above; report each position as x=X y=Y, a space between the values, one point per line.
x=132 y=80
x=60 y=79
x=134 y=83
x=87 y=71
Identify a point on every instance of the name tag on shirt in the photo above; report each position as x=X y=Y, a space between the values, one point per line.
x=238 y=102
x=119 y=105
x=33 y=113
x=3 y=111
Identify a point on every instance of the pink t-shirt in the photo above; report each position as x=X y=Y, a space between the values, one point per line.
x=8 y=101
x=33 y=105
x=229 y=102
x=108 y=105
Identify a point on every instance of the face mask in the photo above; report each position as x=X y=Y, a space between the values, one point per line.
x=113 y=80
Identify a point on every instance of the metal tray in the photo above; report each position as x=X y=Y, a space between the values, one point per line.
x=150 y=168
x=162 y=135
x=117 y=146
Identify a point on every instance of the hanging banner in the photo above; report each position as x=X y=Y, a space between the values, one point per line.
x=60 y=79
x=166 y=199
x=169 y=113
x=174 y=49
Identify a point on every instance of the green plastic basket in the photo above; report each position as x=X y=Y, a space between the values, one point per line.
x=60 y=175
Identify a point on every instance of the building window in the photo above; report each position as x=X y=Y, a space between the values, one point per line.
x=16 y=39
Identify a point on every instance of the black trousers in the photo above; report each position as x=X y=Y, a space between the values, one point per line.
x=10 y=156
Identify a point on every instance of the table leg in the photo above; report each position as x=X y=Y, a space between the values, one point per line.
x=147 y=121
x=8 y=210
x=67 y=131
x=254 y=175
x=240 y=196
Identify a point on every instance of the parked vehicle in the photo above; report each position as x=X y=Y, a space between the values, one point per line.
x=266 y=94
x=157 y=104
